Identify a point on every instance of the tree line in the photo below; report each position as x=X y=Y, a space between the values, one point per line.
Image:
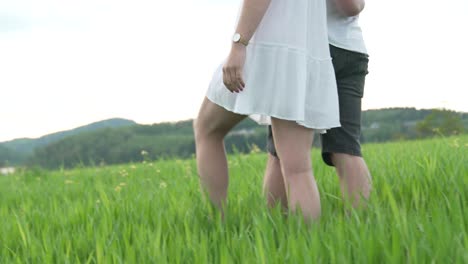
x=136 y=143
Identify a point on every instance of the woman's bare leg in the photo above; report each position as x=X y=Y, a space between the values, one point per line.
x=210 y=127
x=293 y=145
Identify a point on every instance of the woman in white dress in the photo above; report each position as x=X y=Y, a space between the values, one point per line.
x=278 y=72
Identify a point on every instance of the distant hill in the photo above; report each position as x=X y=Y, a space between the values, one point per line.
x=17 y=150
x=138 y=143
x=108 y=142
x=9 y=157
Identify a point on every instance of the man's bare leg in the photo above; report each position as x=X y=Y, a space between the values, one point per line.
x=355 y=178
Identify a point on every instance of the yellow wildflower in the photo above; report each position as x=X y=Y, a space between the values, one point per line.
x=255 y=149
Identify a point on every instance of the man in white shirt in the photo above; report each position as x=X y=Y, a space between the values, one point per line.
x=340 y=146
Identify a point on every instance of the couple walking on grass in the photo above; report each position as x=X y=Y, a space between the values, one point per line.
x=298 y=66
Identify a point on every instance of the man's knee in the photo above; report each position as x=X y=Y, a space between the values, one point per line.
x=344 y=158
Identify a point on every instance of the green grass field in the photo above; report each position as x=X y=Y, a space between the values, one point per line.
x=154 y=213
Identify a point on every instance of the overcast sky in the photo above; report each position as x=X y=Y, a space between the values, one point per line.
x=67 y=63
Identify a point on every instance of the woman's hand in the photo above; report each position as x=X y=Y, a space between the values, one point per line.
x=252 y=13
x=233 y=69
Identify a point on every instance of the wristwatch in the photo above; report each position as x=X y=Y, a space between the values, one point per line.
x=237 y=38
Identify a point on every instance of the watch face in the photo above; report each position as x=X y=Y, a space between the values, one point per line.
x=236 y=37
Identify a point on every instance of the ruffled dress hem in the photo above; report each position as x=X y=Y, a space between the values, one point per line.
x=265 y=119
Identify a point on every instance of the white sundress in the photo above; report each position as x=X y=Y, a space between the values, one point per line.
x=288 y=70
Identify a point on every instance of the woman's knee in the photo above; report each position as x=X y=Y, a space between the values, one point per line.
x=204 y=127
x=295 y=166
x=201 y=129
x=195 y=129
x=214 y=121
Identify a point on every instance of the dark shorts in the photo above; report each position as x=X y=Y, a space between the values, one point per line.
x=351 y=70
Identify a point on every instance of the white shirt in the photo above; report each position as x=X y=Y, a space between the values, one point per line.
x=344 y=32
